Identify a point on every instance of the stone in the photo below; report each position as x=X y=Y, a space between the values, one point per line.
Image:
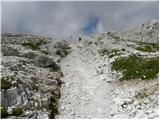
x=146 y=101
x=13 y=97
x=151 y=116
x=118 y=101
x=127 y=101
x=17 y=67
x=10 y=110
x=136 y=103
x=120 y=116
x=62 y=108
x=45 y=61
x=43 y=115
x=141 y=114
x=30 y=55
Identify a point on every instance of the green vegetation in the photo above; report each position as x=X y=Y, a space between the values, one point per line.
x=34 y=45
x=17 y=111
x=63 y=48
x=90 y=42
x=53 y=107
x=148 y=47
x=4 y=113
x=35 y=87
x=45 y=52
x=111 y=53
x=19 y=81
x=5 y=84
x=133 y=67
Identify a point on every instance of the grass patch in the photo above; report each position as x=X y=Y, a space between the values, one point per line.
x=4 y=113
x=63 y=49
x=148 y=47
x=53 y=107
x=17 y=111
x=34 y=45
x=133 y=67
x=5 y=84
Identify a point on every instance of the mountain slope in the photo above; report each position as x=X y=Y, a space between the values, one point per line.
x=94 y=90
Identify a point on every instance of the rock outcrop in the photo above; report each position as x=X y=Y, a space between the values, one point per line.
x=30 y=77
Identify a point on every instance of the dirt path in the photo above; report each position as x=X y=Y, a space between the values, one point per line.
x=84 y=94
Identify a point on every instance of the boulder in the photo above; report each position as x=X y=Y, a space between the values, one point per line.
x=30 y=55
x=43 y=61
x=17 y=67
x=13 y=97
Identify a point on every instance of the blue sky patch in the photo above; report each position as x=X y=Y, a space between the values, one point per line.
x=91 y=26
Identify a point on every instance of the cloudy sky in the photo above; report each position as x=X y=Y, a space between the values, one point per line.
x=63 y=19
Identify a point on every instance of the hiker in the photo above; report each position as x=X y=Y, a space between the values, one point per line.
x=79 y=39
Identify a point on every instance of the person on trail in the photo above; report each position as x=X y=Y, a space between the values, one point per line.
x=79 y=39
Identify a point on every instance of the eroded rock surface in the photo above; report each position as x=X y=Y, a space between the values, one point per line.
x=30 y=77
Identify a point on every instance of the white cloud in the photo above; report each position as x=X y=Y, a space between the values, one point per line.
x=61 y=19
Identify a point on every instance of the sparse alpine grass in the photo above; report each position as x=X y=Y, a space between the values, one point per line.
x=4 y=113
x=34 y=45
x=5 y=84
x=110 y=53
x=17 y=111
x=136 y=67
x=148 y=47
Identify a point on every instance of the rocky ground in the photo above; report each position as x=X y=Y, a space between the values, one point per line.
x=30 y=75
x=113 y=75
x=93 y=89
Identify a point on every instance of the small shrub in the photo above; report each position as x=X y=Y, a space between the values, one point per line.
x=45 y=52
x=4 y=113
x=17 y=111
x=53 y=107
x=5 y=84
x=33 y=46
x=35 y=87
x=133 y=67
x=19 y=81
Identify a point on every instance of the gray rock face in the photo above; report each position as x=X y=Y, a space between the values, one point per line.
x=147 y=32
x=14 y=97
x=17 y=67
x=25 y=66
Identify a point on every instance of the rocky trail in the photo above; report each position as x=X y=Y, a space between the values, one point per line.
x=91 y=91
x=84 y=95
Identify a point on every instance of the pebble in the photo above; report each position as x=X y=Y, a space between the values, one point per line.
x=136 y=103
x=138 y=107
x=146 y=101
x=120 y=116
x=141 y=114
x=62 y=107
x=151 y=116
x=129 y=107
